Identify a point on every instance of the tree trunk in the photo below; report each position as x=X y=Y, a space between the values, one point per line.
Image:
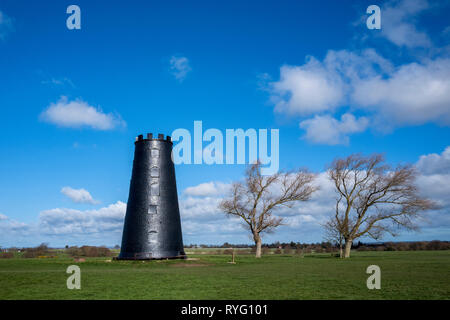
x=348 y=247
x=257 y=239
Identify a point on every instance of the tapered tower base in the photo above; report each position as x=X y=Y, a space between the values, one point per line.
x=149 y=257
x=152 y=228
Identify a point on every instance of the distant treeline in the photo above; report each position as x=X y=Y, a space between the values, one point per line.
x=330 y=247
x=43 y=251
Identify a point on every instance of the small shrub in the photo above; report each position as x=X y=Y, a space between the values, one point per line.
x=89 y=251
x=41 y=250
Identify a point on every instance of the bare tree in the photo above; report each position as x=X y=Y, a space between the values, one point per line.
x=255 y=199
x=373 y=198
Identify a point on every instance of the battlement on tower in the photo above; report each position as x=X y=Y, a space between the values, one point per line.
x=140 y=138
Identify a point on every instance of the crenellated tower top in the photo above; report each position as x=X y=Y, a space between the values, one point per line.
x=150 y=137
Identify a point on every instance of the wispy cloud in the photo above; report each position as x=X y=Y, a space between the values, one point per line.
x=79 y=195
x=179 y=67
x=78 y=113
x=398 y=19
x=59 y=82
x=10 y=228
x=6 y=25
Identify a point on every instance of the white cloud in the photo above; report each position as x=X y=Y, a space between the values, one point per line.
x=436 y=187
x=219 y=227
x=319 y=86
x=201 y=216
x=78 y=195
x=413 y=94
x=12 y=228
x=299 y=220
x=328 y=130
x=435 y=177
x=433 y=183
x=78 y=113
x=179 y=67
x=435 y=163
x=194 y=207
x=61 y=221
x=307 y=89
x=397 y=23
x=6 y=25
x=207 y=189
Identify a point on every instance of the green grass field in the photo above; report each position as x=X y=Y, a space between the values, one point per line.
x=404 y=275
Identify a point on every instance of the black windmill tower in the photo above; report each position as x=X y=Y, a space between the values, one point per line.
x=152 y=228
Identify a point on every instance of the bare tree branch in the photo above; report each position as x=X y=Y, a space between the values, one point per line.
x=257 y=198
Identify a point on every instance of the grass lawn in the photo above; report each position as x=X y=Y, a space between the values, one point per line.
x=404 y=275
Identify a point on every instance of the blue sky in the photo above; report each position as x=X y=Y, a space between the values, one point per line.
x=311 y=69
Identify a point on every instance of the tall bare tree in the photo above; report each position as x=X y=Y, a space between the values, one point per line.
x=257 y=198
x=373 y=198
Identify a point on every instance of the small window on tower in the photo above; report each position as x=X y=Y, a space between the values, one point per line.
x=152 y=209
x=154 y=172
x=154 y=189
x=155 y=153
x=154 y=200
